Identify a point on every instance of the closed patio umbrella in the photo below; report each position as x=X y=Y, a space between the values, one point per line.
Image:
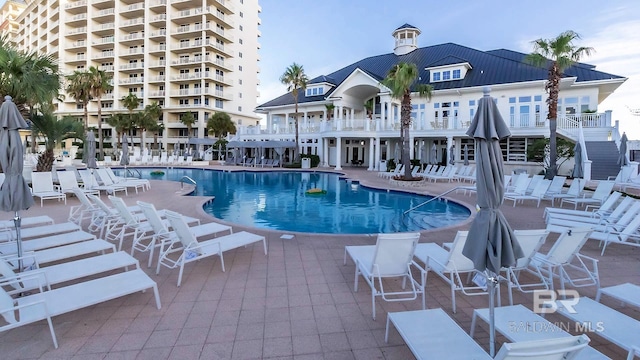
x=622 y=158
x=578 y=171
x=396 y=153
x=452 y=155
x=491 y=244
x=424 y=157
x=466 y=155
x=124 y=159
x=433 y=155
x=14 y=192
x=91 y=150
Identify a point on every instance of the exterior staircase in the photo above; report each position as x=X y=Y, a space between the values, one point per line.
x=604 y=157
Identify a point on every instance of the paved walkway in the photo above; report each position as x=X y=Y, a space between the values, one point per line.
x=296 y=303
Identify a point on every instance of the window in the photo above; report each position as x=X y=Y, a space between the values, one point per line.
x=241 y=14
x=196 y=101
x=456 y=74
x=472 y=103
x=239 y=108
x=240 y=41
x=240 y=55
x=537 y=98
x=512 y=100
x=524 y=99
x=219 y=103
x=436 y=76
x=240 y=67
x=240 y=95
x=446 y=75
x=241 y=28
x=320 y=91
x=184 y=102
x=308 y=92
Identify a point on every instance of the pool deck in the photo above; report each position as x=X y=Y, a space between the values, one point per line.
x=295 y=303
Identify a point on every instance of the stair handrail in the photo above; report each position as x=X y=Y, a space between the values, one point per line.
x=130 y=171
x=432 y=199
x=186 y=178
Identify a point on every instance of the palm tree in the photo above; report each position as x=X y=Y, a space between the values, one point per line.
x=30 y=78
x=148 y=119
x=557 y=55
x=156 y=129
x=295 y=79
x=121 y=123
x=188 y=120
x=399 y=81
x=99 y=84
x=54 y=131
x=79 y=88
x=220 y=124
x=329 y=108
x=131 y=102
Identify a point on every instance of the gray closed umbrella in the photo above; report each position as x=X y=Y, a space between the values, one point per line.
x=622 y=158
x=91 y=150
x=124 y=159
x=578 y=171
x=396 y=153
x=491 y=244
x=433 y=155
x=466 y=155
x=14 y=192
x=452 y=155
x=424 y=157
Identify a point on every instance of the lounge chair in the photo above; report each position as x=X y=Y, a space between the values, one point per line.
x=433 y=335
x=192 y=250
x=574 y=191
x=626 y=293
x=557 y=184
x=391 y=257
x=615 y=326
x=26 y=222
x=68 y=183
x=599 y=196
x=610 y=225
x=162 y=234
x=519 y=324
x=108 y=181
x=90 y=182
x=521 y=183
x=189 y=160
x=47 y=304
x=107 y=160
x=66 y=271
x=123 y=179
x=108 y=216
x=565 y=262
x=41 y=231
x=164 y=160
x=611 y=204
x=530 y=242
x=47 y=242
x=42 y=187
x=628 y=236
x=450 y=265
x=537 y=194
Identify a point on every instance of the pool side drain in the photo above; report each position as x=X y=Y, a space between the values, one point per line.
x=287 y=236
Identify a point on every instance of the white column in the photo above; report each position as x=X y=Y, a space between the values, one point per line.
x=449 y=143
x=371 y=155
x=338 y=153
x=325 y=152
x=412 y=147
x=376 y=160
x=305 y=121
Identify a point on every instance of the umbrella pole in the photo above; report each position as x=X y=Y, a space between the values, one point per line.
x=16 y=222
x=492 y=282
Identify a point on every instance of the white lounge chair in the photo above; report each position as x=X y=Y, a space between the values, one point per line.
x=450 y=265
x=64 y=272
x=390 y=257
x=162 y=234
x=530 y=242
x=42 y=185
x=90 y=182
x=47 y=304
x=192 y=250
x=68 y=183
x=599 y=195
x=47 y=242
x=537 y=194
x=26 y=222
x=626 y=293
x=613 y=202
x=574 y=191
x=108 y=217
x=602 y=228
x=123 y=179
x=516 y=323
x=565 y=262
x=433 y=335
x=617 y=327
x=628 y=236
x=108 y=181
x=41 y=231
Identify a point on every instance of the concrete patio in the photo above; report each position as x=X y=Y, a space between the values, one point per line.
x=295 y=303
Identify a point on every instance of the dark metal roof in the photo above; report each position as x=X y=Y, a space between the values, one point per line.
x=405 y=26
x=447 y=60
x=489 y=68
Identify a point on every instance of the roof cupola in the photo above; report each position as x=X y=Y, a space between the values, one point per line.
x=406 y=38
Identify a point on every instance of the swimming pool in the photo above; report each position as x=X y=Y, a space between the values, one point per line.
x=278 y=200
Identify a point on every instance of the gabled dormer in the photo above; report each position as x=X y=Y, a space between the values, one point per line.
x=447 y=69
x=319 y=86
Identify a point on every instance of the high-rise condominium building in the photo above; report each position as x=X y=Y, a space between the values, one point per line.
x=198 y=56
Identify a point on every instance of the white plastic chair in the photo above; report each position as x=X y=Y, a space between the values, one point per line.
x=450 y=265
x=565 y=262
x=391 y=257
x=42 y=185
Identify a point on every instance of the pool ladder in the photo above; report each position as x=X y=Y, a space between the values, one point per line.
x=432 y=199
x=186 y=178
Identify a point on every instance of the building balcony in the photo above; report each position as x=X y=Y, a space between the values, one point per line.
x=220 y=33
x=219 y=47
x=103 y=29
x=132 y=24
x=158 y=19
x=212 y=13
x=162 y=33
x=157 y=3
x=132 y=80
x=76 y=7
x=107 y=68
x=132 y=10
x=225 y=5
x=74 y=33
x=79 y=44
x=219 y=63
x=157 y=94
x=77 y=20
x=186 y=31
x=102 y=4
x=104 y=55
x=132 y=66
x=104 y=42
x=106 y=15
x=157 y=64
x=181 y=4
x=157 y=79
x=188 y=15
x=130 y=39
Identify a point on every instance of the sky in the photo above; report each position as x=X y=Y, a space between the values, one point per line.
x=324 y=36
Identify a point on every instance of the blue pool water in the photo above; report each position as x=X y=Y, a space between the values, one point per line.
x=277 y=200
